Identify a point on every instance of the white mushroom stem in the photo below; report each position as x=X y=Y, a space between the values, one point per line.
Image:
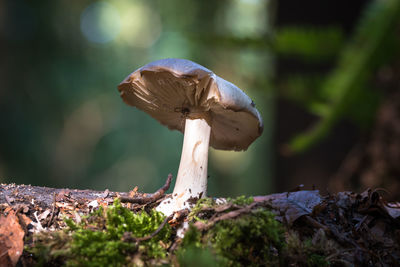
x=192 y=173
x=191 y=181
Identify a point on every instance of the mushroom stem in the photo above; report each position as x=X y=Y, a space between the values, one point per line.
x=191 y=181
x=192 y=173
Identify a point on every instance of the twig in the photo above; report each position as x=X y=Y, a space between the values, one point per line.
x=53 y=210
x=4 y=253
x=8 y=200
x=338 y=253
x=314 y=223
x=38 y=221
x=139 y=239
x=151 y=197
x=230 y=215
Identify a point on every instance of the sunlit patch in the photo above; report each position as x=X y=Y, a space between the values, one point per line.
x=140 y=25
x=100 y=22
x=245 y=18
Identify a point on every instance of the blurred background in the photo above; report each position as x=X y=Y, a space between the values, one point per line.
x=324 y=76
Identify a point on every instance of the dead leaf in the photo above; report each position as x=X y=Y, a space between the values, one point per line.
x=133 y=192
x=93 y=204
x=12 y=236
x=8 y=209
x=393 y=209
x=9 y=199
x=63 y=195
x=105 y=193
x=26 y=219
x=377 y=232
x=5 y=260
x=44 y=214
x=293 y=204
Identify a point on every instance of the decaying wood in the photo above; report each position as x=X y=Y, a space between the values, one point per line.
x=363 y=225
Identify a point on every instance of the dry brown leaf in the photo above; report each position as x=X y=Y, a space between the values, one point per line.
x=63 y=195
x=26 y=219
x=393 y=210
x=8 y=209
x=12 y=236
x=5 y=260
x=133 y=192
x=293 y=204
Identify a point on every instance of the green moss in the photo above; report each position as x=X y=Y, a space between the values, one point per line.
x=310 y=252
x=193 y=250
x=241 y=200
x=192 y=238
x=107 y=238
x=199 y=207
x=50 y=249
x=251 y=240
x=194 y=256
x=317 y=260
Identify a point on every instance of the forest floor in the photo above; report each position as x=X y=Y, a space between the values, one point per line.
x=47 y=226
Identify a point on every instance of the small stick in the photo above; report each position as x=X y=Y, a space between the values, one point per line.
x=4 y=253
x=139 y=239
x=230 y=215
x=8 y=200
x=152 y=197
x=53 y=210
x=311 y=221
x=38 y=220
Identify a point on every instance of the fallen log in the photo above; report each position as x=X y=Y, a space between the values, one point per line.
x=344 y=228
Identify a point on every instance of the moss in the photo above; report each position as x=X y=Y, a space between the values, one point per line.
x=106 y=238
x=241 y=200
x=194 y=252
x=195 y=213
x=194 y=256
x=308 y=252
x=50 y=249
x=317 y=260
x=192 y=238
x=251 y=240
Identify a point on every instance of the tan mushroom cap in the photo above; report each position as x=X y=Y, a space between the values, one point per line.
x=172 y=90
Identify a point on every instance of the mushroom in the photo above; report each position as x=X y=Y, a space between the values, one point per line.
x=209 y=110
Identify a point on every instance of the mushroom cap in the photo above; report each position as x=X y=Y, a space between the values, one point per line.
x=172 y=90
